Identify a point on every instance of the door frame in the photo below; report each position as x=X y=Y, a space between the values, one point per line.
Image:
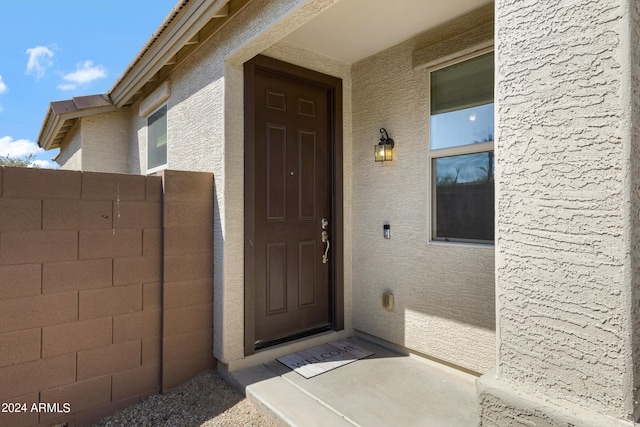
x=333 y=87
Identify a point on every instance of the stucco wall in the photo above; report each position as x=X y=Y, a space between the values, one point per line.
x=70 y=157
x=567 y=179
x=634 y=90
x=444 y=293
x=98 y=143
x=105 y=142
x=202 y=137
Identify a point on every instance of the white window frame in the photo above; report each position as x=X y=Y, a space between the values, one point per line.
x=481 y=147
x=166 y=115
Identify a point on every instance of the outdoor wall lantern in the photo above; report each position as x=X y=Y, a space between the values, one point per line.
x=383 y=150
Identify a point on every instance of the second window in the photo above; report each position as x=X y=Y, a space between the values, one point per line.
x=461 y=151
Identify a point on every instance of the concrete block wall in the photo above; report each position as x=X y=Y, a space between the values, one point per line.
x=187 y=341
x=84 y=316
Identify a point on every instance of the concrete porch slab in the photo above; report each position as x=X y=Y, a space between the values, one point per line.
x=386 y=389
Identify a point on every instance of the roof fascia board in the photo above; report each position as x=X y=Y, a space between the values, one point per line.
x=53 y=123
x=196 y=15
x=56 y=121
x=87 y=112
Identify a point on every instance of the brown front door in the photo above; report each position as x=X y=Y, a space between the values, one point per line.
x=290 y=177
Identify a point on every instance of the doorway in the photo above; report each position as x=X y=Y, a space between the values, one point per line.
x=293 y=203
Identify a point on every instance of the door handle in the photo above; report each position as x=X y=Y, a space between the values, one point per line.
x=325 y=239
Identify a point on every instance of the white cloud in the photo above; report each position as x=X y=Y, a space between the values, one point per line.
x=67 y=86
x=85 y=73
x=3 y=89
x=18 y=148
x=39 y=61
x=45 y=164
x=3 y=86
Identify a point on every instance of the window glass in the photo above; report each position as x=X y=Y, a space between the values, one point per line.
x=464 y=197
x=461 y=151
x=462 y=103
x=469 y=126
x=157 y=139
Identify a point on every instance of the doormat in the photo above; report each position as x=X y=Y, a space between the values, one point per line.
x=323 y=358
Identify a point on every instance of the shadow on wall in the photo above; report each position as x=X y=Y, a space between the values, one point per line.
x=444 y=294
x=218 y=275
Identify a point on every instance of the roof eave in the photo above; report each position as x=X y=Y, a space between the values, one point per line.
x=61 y=117
x=179 y=29
x=51 y=122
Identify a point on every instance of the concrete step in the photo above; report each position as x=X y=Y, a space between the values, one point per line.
x=284 y=402
x=385 y=389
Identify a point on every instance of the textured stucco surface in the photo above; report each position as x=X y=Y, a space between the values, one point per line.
x=509 y=405
x=98 y=143
x=567 y=179
x=634 y=174
x=462 y=36
x=205 y=122
x=155 y=99
x=70 y=157
x=105 y=142
x=444 y=293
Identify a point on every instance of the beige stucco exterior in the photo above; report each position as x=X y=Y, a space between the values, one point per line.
x=566 y=180
x=98 y=143
x=206 y=108
x=205 y=133
x=106 y=142
x=444 y=295
x=70 y=156
x=553 y=307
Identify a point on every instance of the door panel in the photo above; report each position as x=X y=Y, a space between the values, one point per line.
x=307 y=176
x=276 y=173
x=276 y=279
x=291 y=191
x=307 y=273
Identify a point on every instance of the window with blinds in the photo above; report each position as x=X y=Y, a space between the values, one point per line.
x=461 y=151
x=157 y=139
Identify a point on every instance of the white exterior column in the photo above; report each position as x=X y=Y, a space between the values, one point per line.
x=568 y=214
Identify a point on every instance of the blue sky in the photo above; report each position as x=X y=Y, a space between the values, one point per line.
x=55 y=50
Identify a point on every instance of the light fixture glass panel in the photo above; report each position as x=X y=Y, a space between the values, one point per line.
x=383 y=152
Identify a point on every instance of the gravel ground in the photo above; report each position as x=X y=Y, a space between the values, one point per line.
x=206 y=401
